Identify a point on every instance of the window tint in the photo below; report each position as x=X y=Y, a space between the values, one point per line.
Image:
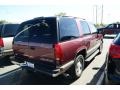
x=10 y=30
x=117 y=40
x=92 y=28
x=22 y=36
x=44 y=35
x=85 y=27
x=41 y=30
x=68 y=29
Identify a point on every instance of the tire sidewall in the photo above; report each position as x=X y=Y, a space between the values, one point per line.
x=81 y=60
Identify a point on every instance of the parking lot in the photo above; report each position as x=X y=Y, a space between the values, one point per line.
x=93 y=73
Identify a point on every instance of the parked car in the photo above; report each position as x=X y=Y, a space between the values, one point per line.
x=110 y=29
x=7 y=32
x=54 y=45
x=112 y=71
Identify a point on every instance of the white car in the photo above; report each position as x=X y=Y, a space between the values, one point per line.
x=7 y=32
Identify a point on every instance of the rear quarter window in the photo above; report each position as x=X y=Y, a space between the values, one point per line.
x=9 y=30
x=68 y=29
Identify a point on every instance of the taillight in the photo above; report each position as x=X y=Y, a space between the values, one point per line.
x=114 y=51
x=58 y=52
x=1 y=42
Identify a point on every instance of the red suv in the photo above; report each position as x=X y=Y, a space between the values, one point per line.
x=54 y=45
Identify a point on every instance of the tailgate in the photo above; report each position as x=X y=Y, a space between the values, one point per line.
x=41 y=52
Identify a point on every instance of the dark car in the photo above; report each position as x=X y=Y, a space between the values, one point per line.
x=54 y=45
x=7 y=32
x=110 y=29
x=112 y=71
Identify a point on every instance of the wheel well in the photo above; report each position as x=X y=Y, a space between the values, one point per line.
x=83 y=52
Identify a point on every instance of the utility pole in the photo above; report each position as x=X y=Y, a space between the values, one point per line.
x=96 y=14
x=102 y=15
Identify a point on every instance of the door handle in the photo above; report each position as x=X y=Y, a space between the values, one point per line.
x=32 y=47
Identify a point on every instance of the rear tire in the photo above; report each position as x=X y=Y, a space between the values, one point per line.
x=77 y=69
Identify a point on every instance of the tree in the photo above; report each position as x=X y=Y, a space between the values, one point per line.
x=100 y=25
x=61 y=14
x=3 y=21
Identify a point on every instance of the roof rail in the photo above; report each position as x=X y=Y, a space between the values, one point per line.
x=74 y=17
x=38 y=17
x=58 y=16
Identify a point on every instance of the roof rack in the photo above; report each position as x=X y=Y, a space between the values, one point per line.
x=74 y=17
x=38 y=17
x=58 y=16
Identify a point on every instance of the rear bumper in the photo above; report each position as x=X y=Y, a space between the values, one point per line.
x=51 y=72
x=44 y=67
x=5 y=53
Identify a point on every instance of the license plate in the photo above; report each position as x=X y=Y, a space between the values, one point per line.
x=30 y=64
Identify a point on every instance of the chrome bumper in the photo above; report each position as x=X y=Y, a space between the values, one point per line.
x=53 y=73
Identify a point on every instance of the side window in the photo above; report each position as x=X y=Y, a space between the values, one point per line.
x=68 y=29
x=85 y=28
x=22 y=36
x=92 y=28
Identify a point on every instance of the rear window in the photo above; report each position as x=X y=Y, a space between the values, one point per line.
x=40 y=30
x=10 y=30
x=117 y=40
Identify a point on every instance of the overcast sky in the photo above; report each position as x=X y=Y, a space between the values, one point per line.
x=21 y=10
